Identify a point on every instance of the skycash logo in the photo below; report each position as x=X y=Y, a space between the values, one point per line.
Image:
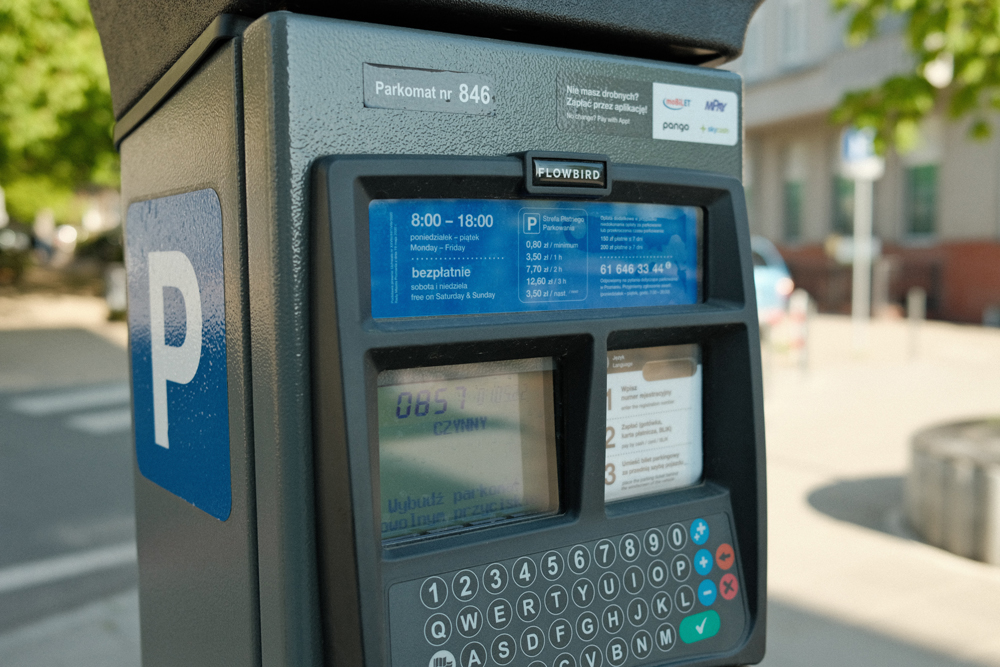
x=715 y=105
x=676 y=103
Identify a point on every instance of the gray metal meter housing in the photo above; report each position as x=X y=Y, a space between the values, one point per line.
x=272 y=115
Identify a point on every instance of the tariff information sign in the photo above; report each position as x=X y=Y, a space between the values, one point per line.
x=653 y=425
x=433 y=257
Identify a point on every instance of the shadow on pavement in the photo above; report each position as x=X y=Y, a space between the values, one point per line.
x=871 y=502
x=797 y=637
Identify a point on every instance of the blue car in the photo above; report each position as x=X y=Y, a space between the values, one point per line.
x=771 y=279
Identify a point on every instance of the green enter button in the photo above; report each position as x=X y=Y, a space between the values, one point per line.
x=700 y=626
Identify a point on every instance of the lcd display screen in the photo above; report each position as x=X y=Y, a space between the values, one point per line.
x=653 y=422
x=434 y=257
x=466 y=444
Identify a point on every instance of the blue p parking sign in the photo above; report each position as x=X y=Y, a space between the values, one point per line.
x=177 y=328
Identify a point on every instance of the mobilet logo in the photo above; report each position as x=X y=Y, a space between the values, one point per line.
x=676 y=103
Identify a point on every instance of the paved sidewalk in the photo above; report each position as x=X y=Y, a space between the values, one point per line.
x=100 y=634
x=847 y=584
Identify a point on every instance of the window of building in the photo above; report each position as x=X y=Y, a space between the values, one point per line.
x=921 y=199
x=843 y=206
x=793 y=210
x=794 y=26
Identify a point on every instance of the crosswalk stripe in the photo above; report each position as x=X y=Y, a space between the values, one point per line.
x=75 y=399
x=26 y=575
x=102 y=423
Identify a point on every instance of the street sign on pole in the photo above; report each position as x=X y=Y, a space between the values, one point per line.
x=860 y=162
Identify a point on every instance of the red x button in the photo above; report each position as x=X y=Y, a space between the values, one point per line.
x=729 y=586
x=724 y=556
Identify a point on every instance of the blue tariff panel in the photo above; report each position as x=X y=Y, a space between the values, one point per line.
x=432 y=257
x=177 y=327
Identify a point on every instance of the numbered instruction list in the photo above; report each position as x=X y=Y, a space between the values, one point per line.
x=653 y=426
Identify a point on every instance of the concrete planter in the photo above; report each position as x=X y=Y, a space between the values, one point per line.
x=953 y=489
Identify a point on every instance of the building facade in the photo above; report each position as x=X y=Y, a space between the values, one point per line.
x=937 y=209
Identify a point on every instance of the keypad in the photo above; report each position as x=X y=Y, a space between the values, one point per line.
x=621 y=600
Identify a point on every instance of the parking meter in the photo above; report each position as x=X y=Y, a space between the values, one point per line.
x=444 y=348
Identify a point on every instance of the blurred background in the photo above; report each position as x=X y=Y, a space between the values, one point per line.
x=882 y=414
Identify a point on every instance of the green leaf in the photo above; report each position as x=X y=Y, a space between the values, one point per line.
x=55 y=105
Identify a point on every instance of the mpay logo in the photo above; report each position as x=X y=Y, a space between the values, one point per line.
x=715 y=105
x=676 y=103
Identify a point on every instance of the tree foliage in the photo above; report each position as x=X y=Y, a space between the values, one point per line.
x=55 y=105
x=957 y=36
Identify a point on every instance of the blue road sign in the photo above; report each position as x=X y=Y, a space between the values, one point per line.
x=177 y=328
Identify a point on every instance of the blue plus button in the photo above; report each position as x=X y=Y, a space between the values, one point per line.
x=699 y=531
x=703 y=562
x=706 y=592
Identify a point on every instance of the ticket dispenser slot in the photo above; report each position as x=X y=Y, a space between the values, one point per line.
x=537 y=413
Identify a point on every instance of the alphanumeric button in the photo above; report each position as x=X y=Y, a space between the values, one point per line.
x=552 y=565
x=587 y=626
x=579 y=559
x=661 y=605
x=633 y=579
x=684 y=599
x=499 y=613
x=442 y=657
x=629 y=547
x=653 y=541
x=604 y=553
x=473 y=655
x=560 y=633
x=583 y=593
x=469 y=621
x=437 y=629
x=495 y=578
x=677 y=536
x=617 y=652
x=465 y=585
x=556 y=599
x=564 y=660
x=637 y=611
x=657 y=572
x=525 y=572
x=609 y=586
x=665 y=637
x=532 y=641
x=433 y=592
x=528 y=607
x=680 y=567
x=613 y=618
x=591 y=657
x=503 y=649
x=642 y=645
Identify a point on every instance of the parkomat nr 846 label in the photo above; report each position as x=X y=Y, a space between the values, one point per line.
x=434 y=257
x=653 y=425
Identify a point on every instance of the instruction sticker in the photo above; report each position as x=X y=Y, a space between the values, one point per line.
x=428 y=90
x=605 y=105
x=653 y=423
x=435 y=257
x=697 y=115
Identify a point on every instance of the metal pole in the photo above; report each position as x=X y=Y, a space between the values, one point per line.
x=861 y=288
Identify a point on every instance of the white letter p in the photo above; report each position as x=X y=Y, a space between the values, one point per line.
x=172 y=268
